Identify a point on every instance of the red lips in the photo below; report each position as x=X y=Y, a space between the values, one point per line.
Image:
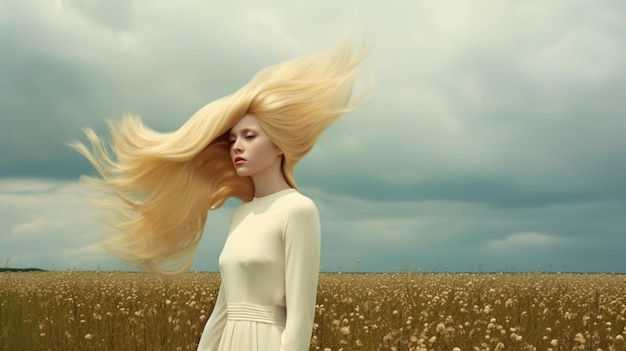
x=239 y=160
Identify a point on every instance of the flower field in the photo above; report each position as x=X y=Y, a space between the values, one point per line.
x=399 y=311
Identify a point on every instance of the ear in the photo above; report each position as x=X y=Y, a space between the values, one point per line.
x=279 y=152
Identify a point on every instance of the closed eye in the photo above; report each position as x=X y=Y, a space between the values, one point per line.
x=249 y=137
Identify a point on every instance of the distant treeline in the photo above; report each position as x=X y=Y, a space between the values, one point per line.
x=21 y=270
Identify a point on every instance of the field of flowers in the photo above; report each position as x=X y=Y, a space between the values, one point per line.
x=399 y=311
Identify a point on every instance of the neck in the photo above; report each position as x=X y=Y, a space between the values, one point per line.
x=269 y=181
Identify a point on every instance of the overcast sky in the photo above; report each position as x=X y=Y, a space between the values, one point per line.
x=494 y=138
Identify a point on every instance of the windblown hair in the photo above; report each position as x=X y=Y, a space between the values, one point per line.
x=159 y=187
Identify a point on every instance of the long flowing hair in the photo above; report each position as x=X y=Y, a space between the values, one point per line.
x=159 y=187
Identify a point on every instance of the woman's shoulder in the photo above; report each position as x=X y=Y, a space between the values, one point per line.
x=298 y=208
x=297 y=201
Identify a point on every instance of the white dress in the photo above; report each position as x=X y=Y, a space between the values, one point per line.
x=269 y=268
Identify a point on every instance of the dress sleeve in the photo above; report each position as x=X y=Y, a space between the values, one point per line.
x=302 y=262
x=212 y=333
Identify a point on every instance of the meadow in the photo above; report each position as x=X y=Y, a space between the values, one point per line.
x=395 y=311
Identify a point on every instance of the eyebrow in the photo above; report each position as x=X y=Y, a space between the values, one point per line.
x=243 y=131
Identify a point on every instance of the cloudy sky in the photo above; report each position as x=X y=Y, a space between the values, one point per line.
x=493 y=139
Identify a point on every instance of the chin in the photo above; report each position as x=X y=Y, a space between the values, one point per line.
x=242 y=173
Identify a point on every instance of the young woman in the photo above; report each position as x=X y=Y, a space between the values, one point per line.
x=245 y=145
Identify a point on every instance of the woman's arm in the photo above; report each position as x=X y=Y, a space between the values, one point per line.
x=212 y=333
x=302 y=263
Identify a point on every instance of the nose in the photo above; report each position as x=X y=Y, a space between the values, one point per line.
x=237 y=146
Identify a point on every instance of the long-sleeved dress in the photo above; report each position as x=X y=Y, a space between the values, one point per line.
x=269 y=267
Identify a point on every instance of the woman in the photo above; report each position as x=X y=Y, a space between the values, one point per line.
x=161 y=186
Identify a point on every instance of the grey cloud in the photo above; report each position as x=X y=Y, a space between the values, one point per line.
x=485 y=121
x=113 y=15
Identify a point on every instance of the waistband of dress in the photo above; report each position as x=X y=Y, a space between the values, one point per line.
x=241 y=311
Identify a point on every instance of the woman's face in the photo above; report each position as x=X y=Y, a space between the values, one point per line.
x=251 y=150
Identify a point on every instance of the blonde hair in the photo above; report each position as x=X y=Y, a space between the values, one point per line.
x=160 y=186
